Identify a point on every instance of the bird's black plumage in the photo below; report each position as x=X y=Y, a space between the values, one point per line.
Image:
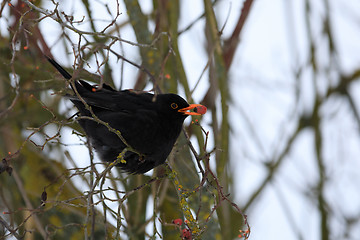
x=149 y=123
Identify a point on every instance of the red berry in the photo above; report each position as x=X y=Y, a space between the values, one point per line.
x=177 y=221
x=186 y=234
x=200 y=109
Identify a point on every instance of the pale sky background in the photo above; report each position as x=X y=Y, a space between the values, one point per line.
x=273 y=43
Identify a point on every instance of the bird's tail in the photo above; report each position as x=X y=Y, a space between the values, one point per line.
x=81 y=86
x=59 y=68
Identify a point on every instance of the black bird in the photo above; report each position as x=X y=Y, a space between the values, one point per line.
x=149 y=124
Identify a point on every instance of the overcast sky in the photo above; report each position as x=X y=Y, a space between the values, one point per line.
x=274 y=43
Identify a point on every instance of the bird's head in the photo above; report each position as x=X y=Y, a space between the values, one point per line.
x=175 y=106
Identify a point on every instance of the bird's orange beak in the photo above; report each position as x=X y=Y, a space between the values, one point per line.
x=198 y=109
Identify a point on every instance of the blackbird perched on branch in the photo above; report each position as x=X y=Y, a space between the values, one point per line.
x=139 y=128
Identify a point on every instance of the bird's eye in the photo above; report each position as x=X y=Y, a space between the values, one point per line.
x=174 y=106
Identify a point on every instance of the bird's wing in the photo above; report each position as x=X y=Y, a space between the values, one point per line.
x=137 y=127
x=110 y=99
